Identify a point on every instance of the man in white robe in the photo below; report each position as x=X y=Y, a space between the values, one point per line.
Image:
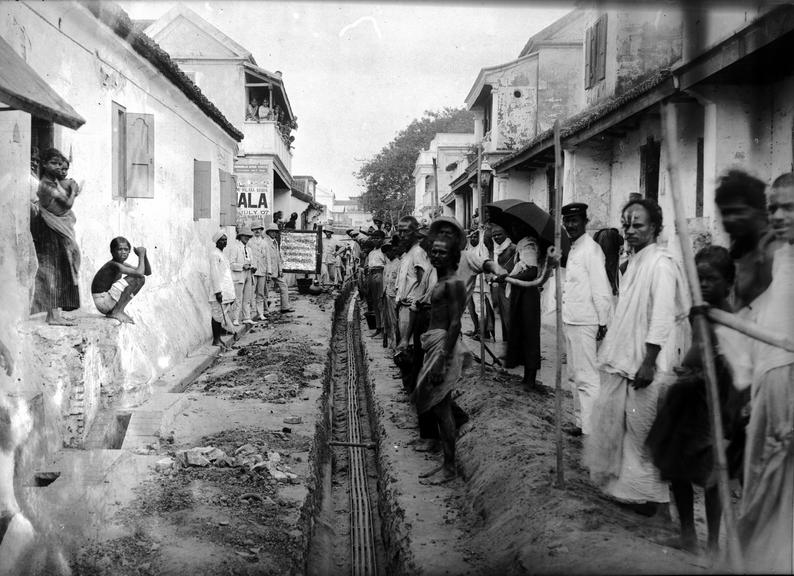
x=766 y=523
x=646 y=339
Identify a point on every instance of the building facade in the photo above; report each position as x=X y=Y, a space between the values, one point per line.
x=228 y=74
x=434 y=171
x=154 y=158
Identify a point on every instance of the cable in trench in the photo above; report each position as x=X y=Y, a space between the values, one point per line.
x=362 y=533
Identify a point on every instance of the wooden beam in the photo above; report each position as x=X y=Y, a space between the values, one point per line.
x=773 y=25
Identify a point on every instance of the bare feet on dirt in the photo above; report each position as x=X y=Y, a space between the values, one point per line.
x=122 y=317
x=432 y=472
x=442 y=476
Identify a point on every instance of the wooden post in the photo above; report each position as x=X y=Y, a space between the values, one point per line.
x=558 y=294
x=702 y=334
x=483 y=315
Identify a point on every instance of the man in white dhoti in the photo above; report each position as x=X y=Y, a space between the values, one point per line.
x=646 y=339
x=586 y=306
x=766 y=524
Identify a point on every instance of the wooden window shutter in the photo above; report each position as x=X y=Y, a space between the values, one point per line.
x=228 y=199
x=202 y=189
x=588 y=72
x=601 y=49
x=140 y=155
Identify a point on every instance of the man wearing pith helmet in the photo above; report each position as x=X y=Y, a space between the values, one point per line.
x=586 y=306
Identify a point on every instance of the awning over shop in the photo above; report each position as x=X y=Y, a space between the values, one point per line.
x=23 y=89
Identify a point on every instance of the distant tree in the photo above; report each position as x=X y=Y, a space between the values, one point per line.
x=388 y=177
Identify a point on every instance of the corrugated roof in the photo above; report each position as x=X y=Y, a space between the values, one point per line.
x=115 y=18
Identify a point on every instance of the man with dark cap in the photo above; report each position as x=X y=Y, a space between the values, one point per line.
x=586 y=307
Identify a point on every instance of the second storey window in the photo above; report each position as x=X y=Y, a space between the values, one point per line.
x=595 y=58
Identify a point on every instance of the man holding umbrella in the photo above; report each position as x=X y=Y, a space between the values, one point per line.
x=586 y=305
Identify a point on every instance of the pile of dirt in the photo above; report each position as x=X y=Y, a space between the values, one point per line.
x=508 y=456
x=271 y=370
x=236 y=512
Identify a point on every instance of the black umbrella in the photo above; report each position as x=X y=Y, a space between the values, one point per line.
x=533 y=216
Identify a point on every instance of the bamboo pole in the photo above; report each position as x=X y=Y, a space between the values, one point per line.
x=558 y=294
x=750 y=329
x=483 y=315
x=702 y=333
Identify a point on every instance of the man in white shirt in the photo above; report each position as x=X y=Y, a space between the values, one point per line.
x=328 y=272
x=586 y=306
x=376 y=262
x=258 y=247
x=275 y=271
x=222 y=293
x=239 y=257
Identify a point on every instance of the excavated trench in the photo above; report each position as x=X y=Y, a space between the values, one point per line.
x=346 y=516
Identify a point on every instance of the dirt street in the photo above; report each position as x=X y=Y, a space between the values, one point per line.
x=235 y=482
x=239 y=510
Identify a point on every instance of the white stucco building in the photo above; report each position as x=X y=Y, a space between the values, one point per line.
x=230 y=77
x=155 y=159
x=434 y=171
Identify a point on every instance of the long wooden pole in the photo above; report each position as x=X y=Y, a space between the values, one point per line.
x=750 y=329
x=483 y=315
x=558 y=294
x=703 y=335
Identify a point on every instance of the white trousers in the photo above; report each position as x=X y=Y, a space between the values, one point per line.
x=583 y=374
x=241 y=309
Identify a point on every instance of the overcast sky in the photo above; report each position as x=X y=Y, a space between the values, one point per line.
x=357 y=73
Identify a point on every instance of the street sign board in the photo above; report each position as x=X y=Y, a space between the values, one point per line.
x=301 y=251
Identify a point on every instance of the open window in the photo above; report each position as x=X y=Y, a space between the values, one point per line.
x=650 y=154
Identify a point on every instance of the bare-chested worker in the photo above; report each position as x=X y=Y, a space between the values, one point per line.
x=116 y=283
x=443 y=354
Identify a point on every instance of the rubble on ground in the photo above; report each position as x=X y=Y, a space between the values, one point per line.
x=248 y=456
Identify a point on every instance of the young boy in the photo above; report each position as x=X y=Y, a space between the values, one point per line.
x=110 y=291
x=680 y=439
x=444 y=357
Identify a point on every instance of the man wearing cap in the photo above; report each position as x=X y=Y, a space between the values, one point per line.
x=258 y=247
x=239 y=257
x=274 y=263
x=222 y=292
x=586 y=307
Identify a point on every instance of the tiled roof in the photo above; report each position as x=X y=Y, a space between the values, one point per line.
x=587 y=117
x=118 y=20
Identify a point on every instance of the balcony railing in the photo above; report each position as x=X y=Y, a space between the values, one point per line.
x=265 y=138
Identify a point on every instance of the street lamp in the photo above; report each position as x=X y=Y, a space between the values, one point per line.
x=486 y=172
